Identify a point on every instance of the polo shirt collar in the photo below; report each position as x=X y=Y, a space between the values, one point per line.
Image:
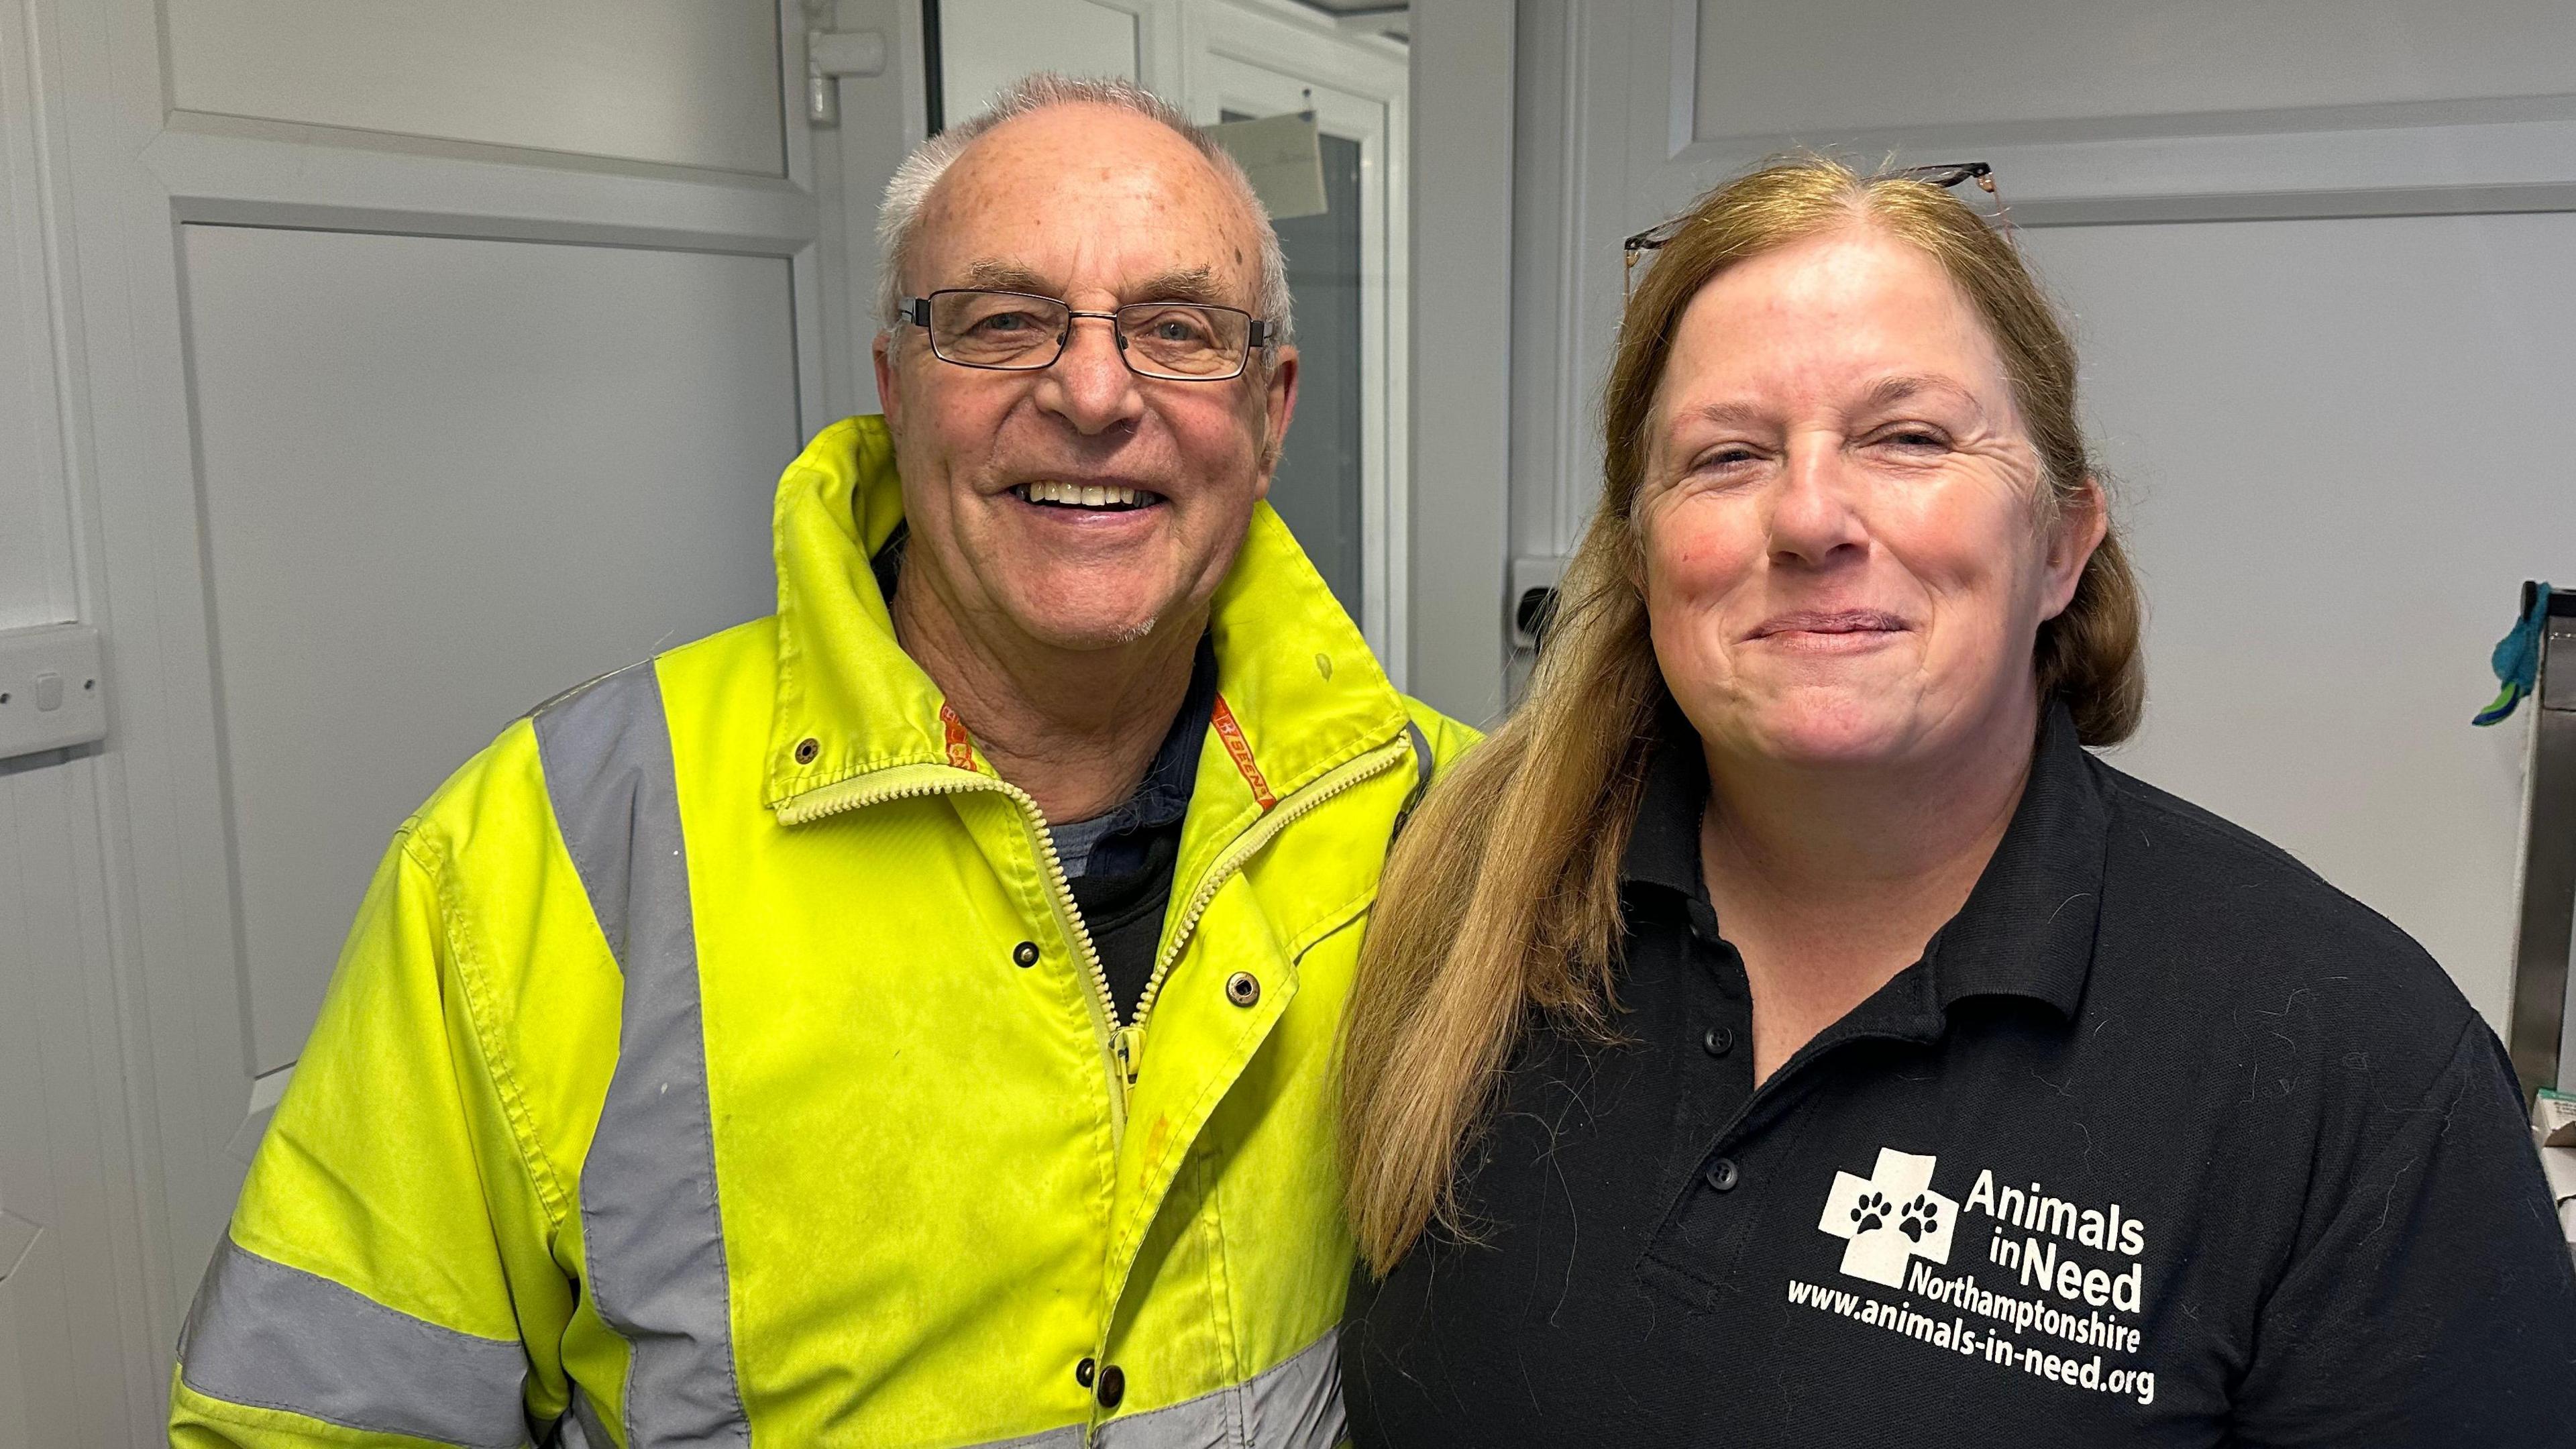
x=1663 y=840
x=2027 y=928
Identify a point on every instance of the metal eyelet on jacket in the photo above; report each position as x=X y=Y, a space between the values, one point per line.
x=1243 y=988
x=806 y=750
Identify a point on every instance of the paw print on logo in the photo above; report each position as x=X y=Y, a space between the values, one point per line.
x=1922 y=1218
x=1870 y=1213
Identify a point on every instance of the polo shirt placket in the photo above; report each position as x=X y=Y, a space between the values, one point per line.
x=2098 y=1169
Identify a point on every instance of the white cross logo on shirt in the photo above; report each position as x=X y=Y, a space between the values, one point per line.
x=1890 y=1217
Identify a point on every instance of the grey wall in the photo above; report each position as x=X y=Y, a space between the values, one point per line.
x=1462 y=441
x=2336 y=448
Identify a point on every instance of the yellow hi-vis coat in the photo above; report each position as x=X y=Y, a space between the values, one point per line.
x=719 y=1060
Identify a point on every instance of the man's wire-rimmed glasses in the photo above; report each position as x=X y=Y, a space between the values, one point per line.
x=1024 y=332
x=1946 y=174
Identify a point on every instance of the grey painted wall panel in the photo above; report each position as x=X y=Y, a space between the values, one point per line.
x=689 y=82
x=536 y=463
x=2338 y=443
x=1461 y=268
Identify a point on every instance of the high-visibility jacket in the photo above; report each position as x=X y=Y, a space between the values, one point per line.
x=719 y=1059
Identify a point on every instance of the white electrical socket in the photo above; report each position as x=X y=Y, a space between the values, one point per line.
x=52 y=694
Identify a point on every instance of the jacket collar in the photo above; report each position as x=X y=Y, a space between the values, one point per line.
x=1299 y=691
x=2027 y=928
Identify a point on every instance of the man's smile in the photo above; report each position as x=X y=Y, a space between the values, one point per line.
x=1098 y=497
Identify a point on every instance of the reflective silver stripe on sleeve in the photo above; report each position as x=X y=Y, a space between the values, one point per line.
x=269 y=1336
x=1068 y=1437
x=652 y=1231
x=1296 y=1404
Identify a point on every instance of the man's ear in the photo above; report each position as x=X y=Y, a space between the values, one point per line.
x=1280 y=395
x=889 y=396
x=2083 y=521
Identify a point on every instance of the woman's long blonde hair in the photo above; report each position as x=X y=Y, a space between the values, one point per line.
x=1501 y=901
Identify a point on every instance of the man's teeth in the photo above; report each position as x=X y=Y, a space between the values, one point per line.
x=1083 y=495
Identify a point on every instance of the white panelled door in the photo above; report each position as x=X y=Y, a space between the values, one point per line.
x=422 y=361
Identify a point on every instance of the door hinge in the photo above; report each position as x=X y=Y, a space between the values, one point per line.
x=831 y=54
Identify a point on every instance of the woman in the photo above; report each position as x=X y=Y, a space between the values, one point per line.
x=1782 y=1032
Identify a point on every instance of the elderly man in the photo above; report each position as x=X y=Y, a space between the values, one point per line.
x=905 y=1020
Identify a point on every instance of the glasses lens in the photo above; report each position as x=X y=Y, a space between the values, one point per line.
x=996 y=329
x=1176 y=339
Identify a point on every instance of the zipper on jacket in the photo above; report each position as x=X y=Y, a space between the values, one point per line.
x=1131 y=1048
x=1124 y=1044
x=909 y=782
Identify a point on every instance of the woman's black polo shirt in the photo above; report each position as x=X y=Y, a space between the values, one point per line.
x=2164 y=1141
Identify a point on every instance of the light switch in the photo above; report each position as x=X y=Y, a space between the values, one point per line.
x=52 y=693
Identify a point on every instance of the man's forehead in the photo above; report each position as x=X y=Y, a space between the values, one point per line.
x=1119 y=197
x=1160 y=284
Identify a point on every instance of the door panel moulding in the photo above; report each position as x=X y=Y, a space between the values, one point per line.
x=222 y=176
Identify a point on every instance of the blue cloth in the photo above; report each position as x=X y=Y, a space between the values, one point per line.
x=2517 y=659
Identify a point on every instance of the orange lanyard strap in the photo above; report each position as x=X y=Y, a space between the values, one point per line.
x=961 y=746
x=1241 y=749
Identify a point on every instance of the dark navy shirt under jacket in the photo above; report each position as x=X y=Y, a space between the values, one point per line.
x=1123 y=883
x=2163 y=1142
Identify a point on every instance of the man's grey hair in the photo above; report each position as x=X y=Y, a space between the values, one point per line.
x=899 y=217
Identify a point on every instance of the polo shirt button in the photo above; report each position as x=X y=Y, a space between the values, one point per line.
x=1723 y=1176
x=1719 y=1040
x=1025 y=953
x=1113 y=1387
x=1082 y=1372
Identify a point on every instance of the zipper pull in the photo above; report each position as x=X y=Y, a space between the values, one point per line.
x=1129 y=1044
